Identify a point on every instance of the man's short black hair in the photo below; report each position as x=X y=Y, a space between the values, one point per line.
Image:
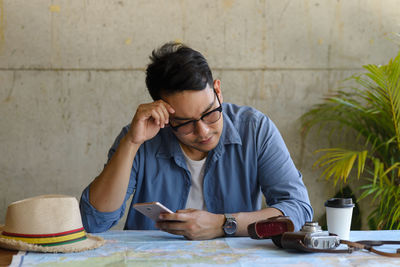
x=174 y=67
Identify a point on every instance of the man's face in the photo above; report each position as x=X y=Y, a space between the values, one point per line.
x=192 y=105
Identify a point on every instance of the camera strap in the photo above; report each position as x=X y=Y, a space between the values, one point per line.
x=354 y=246
x=370 y=244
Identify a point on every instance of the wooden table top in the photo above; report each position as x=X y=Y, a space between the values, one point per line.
x=6 y=256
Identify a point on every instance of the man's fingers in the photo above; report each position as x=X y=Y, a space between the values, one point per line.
x=159 y=108
x=160 y=112
x=164 y=110
x=180 y=215
x=148 y=120
x=185 y=211
x=158 y=117
x=178 y=228
x=190 y=223
x=168 y=107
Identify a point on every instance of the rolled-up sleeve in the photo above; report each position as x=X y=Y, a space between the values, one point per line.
x=292 y=200
x=281 y=182
x=95 y=221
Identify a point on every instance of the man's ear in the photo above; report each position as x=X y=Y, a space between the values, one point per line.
x=217 y=88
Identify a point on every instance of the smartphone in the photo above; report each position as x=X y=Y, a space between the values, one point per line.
x=152 y=209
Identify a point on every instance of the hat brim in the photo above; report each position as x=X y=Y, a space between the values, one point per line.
x=90 y=242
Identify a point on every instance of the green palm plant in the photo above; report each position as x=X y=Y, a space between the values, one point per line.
x=371 y=111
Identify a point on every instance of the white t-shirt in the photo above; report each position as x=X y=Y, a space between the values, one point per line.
x=196 y=197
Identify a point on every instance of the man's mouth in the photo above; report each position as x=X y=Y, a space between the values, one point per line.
x=205 y=141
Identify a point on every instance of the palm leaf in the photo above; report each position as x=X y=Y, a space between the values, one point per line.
x=339 y=162
x=370 y=108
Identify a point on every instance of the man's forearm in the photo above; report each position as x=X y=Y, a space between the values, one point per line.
x=243 y=219
x=107 y=192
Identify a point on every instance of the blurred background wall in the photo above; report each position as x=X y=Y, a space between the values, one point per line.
x=72 y=74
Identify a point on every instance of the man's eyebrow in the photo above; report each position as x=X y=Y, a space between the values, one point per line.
x=205 y=111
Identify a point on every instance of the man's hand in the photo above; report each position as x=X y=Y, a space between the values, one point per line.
x=192 y=224
x=148 y=121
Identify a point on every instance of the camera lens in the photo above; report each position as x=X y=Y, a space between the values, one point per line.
x=311 y=227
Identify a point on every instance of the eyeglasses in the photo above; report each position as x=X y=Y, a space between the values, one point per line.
x=208 y=118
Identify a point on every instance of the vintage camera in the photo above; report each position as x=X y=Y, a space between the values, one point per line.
x=280 y=229
x=309 y=237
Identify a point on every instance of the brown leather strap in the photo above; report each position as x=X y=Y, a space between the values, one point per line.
x=378 y=242
x=352 y=246
x=369 y=245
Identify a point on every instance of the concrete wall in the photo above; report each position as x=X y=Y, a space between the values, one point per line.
x=72 y=73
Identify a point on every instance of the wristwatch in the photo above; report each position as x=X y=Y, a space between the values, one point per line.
x=230 y=225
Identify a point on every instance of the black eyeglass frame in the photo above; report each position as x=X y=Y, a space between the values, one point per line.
x=175 y=128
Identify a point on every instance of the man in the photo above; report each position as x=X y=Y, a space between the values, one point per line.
x=206 y=160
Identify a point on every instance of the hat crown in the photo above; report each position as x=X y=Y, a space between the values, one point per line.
x=46 y=214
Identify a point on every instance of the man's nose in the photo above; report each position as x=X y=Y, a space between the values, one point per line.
x=200 y=128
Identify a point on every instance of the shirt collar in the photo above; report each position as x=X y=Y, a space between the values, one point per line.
x=229 y=135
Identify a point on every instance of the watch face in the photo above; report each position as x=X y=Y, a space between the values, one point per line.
x=230 y=227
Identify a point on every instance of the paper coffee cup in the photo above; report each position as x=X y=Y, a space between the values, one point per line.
x=338 y=216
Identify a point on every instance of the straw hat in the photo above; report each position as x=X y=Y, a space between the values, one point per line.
x=48 y=223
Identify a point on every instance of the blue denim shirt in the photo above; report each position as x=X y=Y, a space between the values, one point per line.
x=251 y=158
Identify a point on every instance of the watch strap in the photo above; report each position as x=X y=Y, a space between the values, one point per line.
x=229 y=216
